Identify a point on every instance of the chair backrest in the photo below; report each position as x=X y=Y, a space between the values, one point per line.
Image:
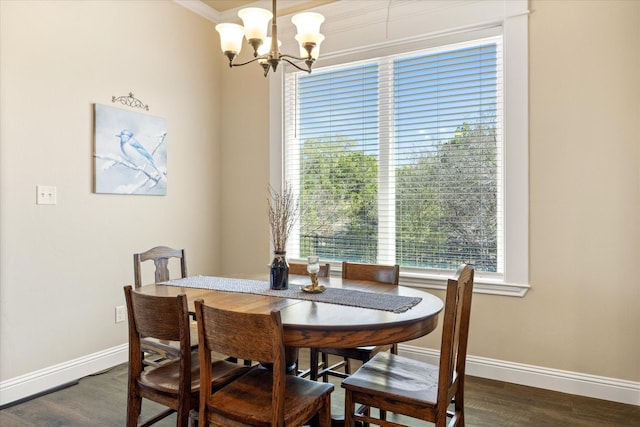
x=165 y=318
x=299 y=268
x=372 y=272
x=260 y=337
x=160 y=256
x=455 y=333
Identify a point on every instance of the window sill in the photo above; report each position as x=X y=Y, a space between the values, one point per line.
x=438 y=281
x=481 y=285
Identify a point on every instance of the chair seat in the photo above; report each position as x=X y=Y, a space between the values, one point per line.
x=248 y=401
x=166 y=377
x=408 y=380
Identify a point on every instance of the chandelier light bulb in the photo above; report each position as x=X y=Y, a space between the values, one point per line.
x=315 y=52
x=230 y=37
x=256 y=22
x=308 y=26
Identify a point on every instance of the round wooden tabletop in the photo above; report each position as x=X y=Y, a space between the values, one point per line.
x=317 y=324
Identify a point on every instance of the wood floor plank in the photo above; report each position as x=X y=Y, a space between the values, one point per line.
x=100 y=401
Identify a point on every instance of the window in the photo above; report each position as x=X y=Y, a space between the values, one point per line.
x=415 y=154
x=396 y=159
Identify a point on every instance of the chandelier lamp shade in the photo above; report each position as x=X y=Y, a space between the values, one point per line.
x=266 y=50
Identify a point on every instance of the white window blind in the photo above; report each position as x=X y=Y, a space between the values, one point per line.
x=399 y=159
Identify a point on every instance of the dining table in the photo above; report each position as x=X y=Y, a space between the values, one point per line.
x=349 y=313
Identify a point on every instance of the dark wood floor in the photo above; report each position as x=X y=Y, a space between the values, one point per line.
x=100 y=400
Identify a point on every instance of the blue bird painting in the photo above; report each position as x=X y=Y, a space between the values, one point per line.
x=130 y=152
x=136 y=153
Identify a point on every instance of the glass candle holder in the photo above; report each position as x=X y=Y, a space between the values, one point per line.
x=313 y=266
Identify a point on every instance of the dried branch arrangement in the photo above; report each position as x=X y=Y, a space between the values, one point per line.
x=283 y=210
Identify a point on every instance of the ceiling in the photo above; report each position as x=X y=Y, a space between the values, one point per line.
x=284 y=6
x=222 y=5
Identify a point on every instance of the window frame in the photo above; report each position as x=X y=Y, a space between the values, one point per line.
x=475 y=17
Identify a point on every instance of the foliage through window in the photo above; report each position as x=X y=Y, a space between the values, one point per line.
x=399 y=159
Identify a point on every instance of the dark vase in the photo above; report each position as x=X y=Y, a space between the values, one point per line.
x=279 y=278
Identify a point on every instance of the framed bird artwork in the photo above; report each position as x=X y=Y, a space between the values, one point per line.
x=130 y=152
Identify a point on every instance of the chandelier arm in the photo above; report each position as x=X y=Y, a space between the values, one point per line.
x=308 y=70
x=233 y=64
x=297 y=58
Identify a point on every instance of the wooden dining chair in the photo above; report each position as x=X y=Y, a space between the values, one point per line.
x=175 y=384
x=158 y=352
x=371 y=272
x=161 y=256
x=263 y=396
x=417 y=389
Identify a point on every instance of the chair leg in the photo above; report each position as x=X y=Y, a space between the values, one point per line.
x=325 y=365
x=313 y=364
x=349 y=409
x=183 y=417
x=202 y=416
x=324 y=415
x=458 y=405
x=347 y=366
x=134 y=406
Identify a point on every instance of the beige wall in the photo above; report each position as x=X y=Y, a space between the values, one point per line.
x=62 y=268
x=582 y=313
x=244 y=182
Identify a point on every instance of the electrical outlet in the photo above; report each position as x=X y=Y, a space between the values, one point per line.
x=46 y=195
x=120 y=313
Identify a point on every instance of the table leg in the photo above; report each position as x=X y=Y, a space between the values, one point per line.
x=291 y=359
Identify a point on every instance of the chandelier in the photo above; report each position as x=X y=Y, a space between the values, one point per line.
x=266 y=50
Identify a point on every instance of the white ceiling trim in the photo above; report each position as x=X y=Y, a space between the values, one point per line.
x=201 y=9
x=231 y=15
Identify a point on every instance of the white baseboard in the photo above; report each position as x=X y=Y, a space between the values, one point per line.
x=36 y=382
x=535 y=376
